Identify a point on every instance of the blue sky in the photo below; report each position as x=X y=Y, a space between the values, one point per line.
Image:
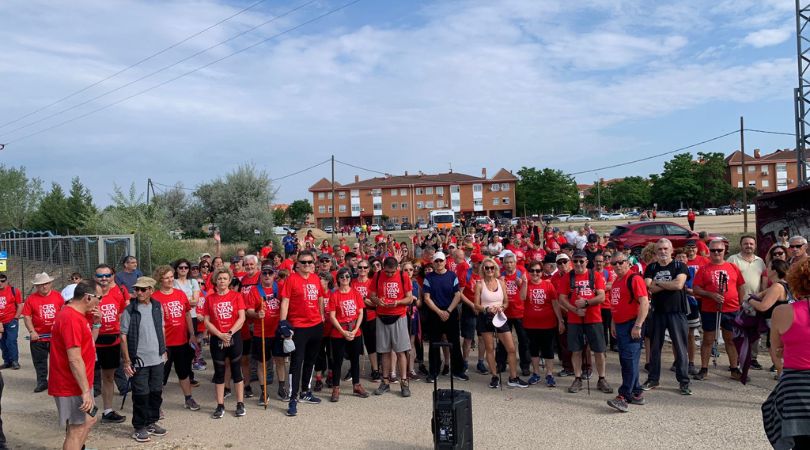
x=389 y=85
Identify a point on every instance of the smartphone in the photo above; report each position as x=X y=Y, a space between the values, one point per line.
x=93 y=411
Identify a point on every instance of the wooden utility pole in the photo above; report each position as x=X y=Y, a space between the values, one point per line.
x=744 y=182
x=334 y=221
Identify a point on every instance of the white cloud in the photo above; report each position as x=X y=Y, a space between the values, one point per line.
x=769 y=37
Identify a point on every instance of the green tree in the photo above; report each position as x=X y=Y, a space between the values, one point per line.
x=711 y=173
x=546 y=191
x=182 y=210
x=53 y=213
x=298 y=210
x=19 y=197
x=630 y=192
x=677 y=184
x=80 y=205
x=600 y=193
x=279 y=216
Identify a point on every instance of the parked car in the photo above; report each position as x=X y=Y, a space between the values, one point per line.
x=709 y=212
x=752 y=208
x=636 y=235
x=725 y=210
x=548 y=218
x=515 y=221
x=406 y=226
x=682 y=212
x=633 y=214
x=422 y=225
x=280 y=231
x=613 y=216
x=328 y=229
x=578 y=218
x=663 y=214
x=389 y=227
x=483 y=223
x=563 y=217
x=375 y=227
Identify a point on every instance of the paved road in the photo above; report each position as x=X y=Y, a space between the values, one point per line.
x=720 y=414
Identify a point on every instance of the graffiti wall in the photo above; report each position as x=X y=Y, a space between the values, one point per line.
x=782 y=210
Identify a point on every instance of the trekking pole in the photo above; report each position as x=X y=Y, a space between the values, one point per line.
x=722 y=286
x=584 y=344
x=264 y=364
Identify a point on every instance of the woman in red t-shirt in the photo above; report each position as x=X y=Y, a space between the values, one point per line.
x=363 y=285
x=345 y=310
x=224 y=316
x=542 y=321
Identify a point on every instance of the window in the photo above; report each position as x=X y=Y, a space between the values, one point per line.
x=322 y=209
x=478 y=202
x=419 y=191
x=329 y=209
x=429 y=190
x=504 y=186
x=356 y=209
x=478 y=187
x=739 y=184
x=394 y=205
x=321 y=195
x=454 y=189
x=765 y=183
x=455 y=203
x=505 y=200
x=752 y=169
x=420 y=219
x=440 y=203
x=495 y=187
x=342 y=208
x=329 y=195
x=394 y=192
x=342 y=195
x=403 y=192
x=650 y=230
x=739 y=170
x=752 y=183
x=674 y=230
x=429 y=204
x=403 y=206
x=496 y=201
x=439 y=190
x=763 y=168
x=355 y=193
x=420 y=205
x=781 y=167
x=394 y=219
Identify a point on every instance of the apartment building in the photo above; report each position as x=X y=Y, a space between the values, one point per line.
x=774 y=172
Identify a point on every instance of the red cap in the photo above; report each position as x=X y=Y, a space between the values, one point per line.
x=477 y=257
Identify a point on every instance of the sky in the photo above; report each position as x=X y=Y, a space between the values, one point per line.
x=390 y=86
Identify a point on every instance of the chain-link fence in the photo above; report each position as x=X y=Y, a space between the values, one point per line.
x=32 y=252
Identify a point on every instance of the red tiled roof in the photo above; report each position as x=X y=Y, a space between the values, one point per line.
x=416 y=180
x=322 y=184
x=780 y=155
x=504 y=175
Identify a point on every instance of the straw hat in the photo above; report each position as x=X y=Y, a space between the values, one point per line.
x=41 y=278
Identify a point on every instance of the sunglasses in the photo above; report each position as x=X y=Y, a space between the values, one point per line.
x=267 y=272
x=103 y=275
x=363 y=267
x=562 y=262
x=797 y=246
x=96 y=296
x=535 y=270
x=345 y=277
x=778 y=253
x=308 y=261
x=717 y=250
x=580 y=261
x=141 y=289
x=182 y=267
x=438 y=260
x=489 y=267
x=618 y=263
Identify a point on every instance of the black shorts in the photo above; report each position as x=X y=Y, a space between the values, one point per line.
x=469 y=325
x=693 y=318
x=369 y=328
x=485 y=325
x=595 y=333
x=272 y=347
x=181 y=356
x=709 y=321
x=541 y=342
x=109 y=357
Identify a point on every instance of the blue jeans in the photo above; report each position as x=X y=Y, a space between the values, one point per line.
x=629 y=355
x=8 y=343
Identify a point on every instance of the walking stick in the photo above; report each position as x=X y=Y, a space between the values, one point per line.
x=585 y=344
x=722 y=285
x=264 y=364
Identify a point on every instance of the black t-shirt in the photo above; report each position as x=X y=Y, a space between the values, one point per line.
x=667 y=301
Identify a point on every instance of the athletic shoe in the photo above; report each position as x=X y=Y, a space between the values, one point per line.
x=445 y=370
x=41 y=387
x=481 y=368
x=603 y=386
x=292 y=408
x=576 y=386
x=328 y=382
x=517 y=382
x=227 y=393
x=736 y=374
x=430 y=379
x=248 y=391
x=756 y=365
x=618 y=404
x=141 y=435
x=194 y=383
x=638 y=400
x=197 y=367
x=240 y=409
x=156 y=430
x=382 y=389
x=534 y=379
x=466 y=366
x=405 y=390
x=191 y=404
x=423 y=370
x=692 y=369
x=685 y=389
x=550 y=381
x=494 y=383
x=565 y=373
x=15 y=366
x=701 y=375
x=359 y=391
x=218 y=413
x=413 y=375
x=348 y=376
x=772 y=369
x=525 y=371
x=375 y=375
x=335 y=394
x=318 y=385
x=307 y=397
x=587 y=374
x=261 y=401
x=282 y=394
x=461 y=376
x=112 y=417
x=393 y=379
x=648 y=385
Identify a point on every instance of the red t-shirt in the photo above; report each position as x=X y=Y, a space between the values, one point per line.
x=265 y=251
x=469 y=286
x=200 y=308
x=697 y=263
x=708 y=279
x=175 y=307
x=364 y=288
x=514 y=310
x=111 y=307
x=461 y=273
x=304 y=293
x=610 y=277
x=347 y=306
x=593 y=314
x=539 y=312
x=702 y=248
x=287 y=265
x=620 y=300
x=272 y=311
x=223 y=310
x=391 y=289
x=249 y=284
x=70 y=329
x=8 y=303
x=42 y=310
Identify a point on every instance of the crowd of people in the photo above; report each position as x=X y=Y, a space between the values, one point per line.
x=520 y=297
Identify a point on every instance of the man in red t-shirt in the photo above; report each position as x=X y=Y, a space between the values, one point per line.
x=263 y=305
x=250 y=280
x=583 y=303
x=515 y=279
x=721 y=287
x=302 y=314
x=11 y=307
x=38 y=314
x=629 y=304
x=72 y=355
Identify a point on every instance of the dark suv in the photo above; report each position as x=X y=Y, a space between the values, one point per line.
x=636 y=235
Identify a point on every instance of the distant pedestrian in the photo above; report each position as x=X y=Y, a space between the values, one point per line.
x=11 y=307
x=690 y=217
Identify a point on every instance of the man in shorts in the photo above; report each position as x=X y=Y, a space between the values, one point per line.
x=108 y=344
x=391 y=292
x=72 y=355
x=263 y=304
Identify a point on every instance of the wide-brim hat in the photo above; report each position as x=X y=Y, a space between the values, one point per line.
x=42 y=278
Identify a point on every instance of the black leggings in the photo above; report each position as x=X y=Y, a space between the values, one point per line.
x=219 y=354
x=307 y=344
x=352 y=349
x=181 y=357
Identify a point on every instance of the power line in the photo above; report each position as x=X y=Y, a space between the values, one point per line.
x=249 y=7
x=361 y=168
x=657 y=155
x=769 y=132
x=176 y=186
x=164 y=68
x=289 y=30
x=301 y=171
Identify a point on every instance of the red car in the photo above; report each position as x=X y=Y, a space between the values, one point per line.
x=636 y=235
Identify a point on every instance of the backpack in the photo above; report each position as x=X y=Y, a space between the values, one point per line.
x=263 y=295
x=630 y=286
x=572 y=276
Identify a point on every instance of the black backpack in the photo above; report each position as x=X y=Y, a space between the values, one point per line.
x=630 y=286
x=572 y=276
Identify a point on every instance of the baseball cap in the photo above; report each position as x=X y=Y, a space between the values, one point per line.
x=438 y=256
x=268 y=267
x=560 y=257
x=145 y=282
x=506 y=253
x=691 y=243
x=205 y=255
x=477 y=257
x=580 y=254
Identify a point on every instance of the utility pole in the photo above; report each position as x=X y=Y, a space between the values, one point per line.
x=744 y=182
x=148 y=187
x=334 y=221
x=598 y=196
